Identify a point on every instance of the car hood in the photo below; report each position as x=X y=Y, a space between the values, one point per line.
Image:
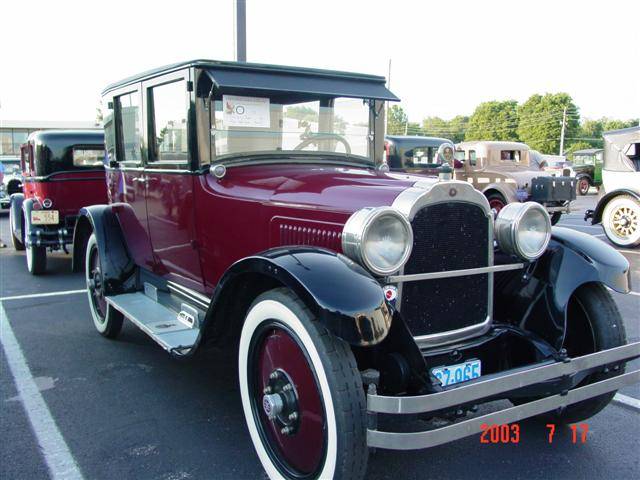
x=320 y=187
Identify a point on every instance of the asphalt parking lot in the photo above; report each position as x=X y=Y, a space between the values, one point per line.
x=125 y=409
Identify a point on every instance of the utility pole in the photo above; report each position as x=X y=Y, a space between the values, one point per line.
x=240 y=33
x=564 y=123
x=386 y=104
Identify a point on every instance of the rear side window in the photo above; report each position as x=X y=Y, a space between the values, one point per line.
x=168 y=122
x=129 y=127
x=512 y=155
x=85 y=157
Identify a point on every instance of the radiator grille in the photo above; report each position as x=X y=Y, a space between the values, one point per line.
x=447 y=236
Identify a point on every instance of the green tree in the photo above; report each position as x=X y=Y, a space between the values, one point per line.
x=396 y=120
x=458 y=126
x=494 y=121
x=540 y=121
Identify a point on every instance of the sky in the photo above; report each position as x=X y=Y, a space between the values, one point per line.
x=446 y=56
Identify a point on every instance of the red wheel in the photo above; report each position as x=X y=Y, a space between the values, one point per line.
x=301 y=392
x=287 y=396
x=583 y=186
x=496 y=201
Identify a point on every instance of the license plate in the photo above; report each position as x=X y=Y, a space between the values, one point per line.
x=452 y=374
x=44 y=217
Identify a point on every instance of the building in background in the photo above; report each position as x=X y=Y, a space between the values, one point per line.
x=14 y=133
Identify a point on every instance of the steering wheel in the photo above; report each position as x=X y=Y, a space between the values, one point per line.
x=313 y=138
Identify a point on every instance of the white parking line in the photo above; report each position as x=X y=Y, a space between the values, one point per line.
x=635 y=252
x=634 y=293
x=628 y=401
x=56 y=453
x=38 y=295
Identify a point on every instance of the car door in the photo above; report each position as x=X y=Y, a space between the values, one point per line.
x=125 y=172
x=169 y=179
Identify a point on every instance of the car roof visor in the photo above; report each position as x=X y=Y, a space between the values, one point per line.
x=302 y=83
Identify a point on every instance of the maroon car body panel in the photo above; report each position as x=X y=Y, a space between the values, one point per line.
x=190 y=228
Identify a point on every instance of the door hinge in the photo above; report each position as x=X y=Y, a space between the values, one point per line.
x=189 y=86
x=195 y=244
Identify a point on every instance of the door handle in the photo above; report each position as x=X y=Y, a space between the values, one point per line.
x=139 y=179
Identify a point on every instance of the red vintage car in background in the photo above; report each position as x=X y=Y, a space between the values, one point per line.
x=62 y=172
x=249 y=208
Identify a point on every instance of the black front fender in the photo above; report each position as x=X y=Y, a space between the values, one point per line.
x=572 y=259
x=116 y=263
x=343 y=296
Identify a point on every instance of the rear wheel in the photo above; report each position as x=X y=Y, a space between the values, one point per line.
x=36 y=259
x=496 y=201
x=107 y=320
x=582 y=186
x=621 y=221
x=593 y=324
x=15 y=218
x=301 y=392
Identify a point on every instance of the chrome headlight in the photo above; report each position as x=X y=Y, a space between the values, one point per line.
x=523 y=229
x=379 y=238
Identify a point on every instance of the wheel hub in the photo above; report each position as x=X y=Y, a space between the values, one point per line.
x=625 y=222
x=280 y=402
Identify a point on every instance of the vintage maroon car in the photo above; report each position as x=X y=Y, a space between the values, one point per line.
x=247 y=209
x=62 y=171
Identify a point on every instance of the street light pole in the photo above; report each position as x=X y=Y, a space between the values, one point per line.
x=240 y=40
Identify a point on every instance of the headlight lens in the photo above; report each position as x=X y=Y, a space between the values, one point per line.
x=380 y=239
x=523 y=229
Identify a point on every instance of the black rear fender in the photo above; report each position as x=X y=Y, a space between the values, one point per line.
x=116 y=263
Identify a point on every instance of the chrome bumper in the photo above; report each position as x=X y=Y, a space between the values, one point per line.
x=483 y=390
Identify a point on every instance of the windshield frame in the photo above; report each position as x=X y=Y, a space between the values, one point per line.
x=207 y=157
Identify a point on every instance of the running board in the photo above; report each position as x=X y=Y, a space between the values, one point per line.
x=162 y=324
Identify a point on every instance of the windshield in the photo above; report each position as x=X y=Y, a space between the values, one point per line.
x=273 y=124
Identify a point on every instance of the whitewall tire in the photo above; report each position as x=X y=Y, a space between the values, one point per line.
x=106 y=319
x=291 y=367
x=621 y=221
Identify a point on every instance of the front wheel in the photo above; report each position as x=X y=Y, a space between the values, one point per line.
x=621 y=221
x=593 y=324
x=106 y=319
x=496 y=201
x=36 y=259
x=301 y=391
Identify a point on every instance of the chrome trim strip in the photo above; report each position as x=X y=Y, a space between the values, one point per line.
x=201 y=300
x=450 y=336
x=452 y=273
x=469 y=392
x=439 y=436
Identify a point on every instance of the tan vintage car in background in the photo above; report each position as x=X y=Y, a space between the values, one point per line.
x=503 y=172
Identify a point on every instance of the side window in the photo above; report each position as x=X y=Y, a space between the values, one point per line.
x=168 y=123
x=128 y=127
x=473 y=159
